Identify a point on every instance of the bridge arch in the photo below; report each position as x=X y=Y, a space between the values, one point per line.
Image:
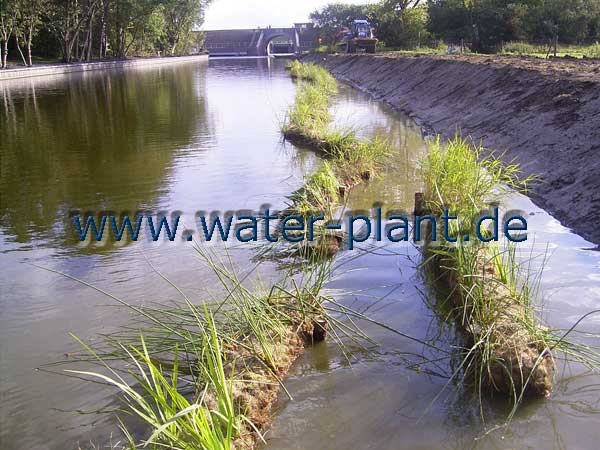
x=270 y=34
x=255 y=42
x=281 y=43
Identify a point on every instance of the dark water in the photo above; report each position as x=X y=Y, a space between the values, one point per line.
x=206 y=137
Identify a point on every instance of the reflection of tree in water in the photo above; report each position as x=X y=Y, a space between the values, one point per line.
x=103 y=141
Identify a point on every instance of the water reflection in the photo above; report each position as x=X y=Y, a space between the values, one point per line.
x=159 y=139
x=104 y=141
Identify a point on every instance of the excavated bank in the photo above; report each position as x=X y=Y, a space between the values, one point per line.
x=544 y=114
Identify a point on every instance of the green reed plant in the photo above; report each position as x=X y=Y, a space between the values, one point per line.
x=355 y=158
x=310 y=115
x=489 y=293
x=462 y=178
x=203 y=376
x=314 y=74
x=208 y=422
x=319 y=192
x=350 y=159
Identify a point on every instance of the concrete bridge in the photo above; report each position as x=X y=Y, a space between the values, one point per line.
x=256 y=42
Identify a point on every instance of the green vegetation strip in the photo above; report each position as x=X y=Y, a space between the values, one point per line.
x=349 y=159
x=485 y=288
x=204 y=376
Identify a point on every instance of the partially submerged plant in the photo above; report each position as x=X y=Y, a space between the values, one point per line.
x=319 y=192
x=206 y=420
x=350 y=159
x=204 y=376
x=314 y=74
x=489 y=305
x=486 y=292
x=460 y=178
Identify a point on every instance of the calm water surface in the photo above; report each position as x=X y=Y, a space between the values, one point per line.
x=206 y=137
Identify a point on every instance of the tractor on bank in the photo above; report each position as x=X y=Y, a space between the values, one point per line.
x=359 y=35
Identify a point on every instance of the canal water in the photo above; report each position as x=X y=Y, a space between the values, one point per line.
x=205 y=137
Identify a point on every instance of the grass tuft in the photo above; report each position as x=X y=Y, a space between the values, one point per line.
x=204 y=376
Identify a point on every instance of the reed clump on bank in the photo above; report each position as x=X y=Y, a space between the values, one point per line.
x=511 y=351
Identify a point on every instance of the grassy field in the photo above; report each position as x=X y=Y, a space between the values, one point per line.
x=543 y=51
x=508 y=48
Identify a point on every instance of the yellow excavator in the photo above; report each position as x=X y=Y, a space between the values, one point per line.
x=359 y=35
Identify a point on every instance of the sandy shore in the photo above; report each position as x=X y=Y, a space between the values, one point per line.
x=544 y=114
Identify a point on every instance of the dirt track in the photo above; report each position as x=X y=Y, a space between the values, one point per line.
x=544 y=113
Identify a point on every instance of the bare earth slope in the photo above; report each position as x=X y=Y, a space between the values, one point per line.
x=544 y=113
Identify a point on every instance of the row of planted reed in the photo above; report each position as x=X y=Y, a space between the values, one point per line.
x=484 y=288
x=206 y=374
x=350 y=159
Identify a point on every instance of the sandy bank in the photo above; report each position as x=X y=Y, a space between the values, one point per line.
x=544 y=113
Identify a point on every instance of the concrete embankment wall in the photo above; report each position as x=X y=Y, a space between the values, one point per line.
x=43 y=70
x=547 y=120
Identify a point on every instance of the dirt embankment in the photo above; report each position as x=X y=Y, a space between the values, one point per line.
x=545 y=114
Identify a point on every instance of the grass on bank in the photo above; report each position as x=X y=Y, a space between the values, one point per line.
x=485 y=290
x=513 y=48
x=544 y=51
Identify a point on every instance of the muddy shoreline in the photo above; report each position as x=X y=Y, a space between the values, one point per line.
x=543 y=114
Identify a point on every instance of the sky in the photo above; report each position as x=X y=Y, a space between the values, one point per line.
x=231 y=14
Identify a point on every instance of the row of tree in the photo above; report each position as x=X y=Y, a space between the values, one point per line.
x=86 y=29
x=483 y=24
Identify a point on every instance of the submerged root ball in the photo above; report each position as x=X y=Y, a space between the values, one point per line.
x=514 y=370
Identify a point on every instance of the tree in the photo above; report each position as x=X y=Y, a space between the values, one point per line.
x=181 y=16
x=331 y=18
x=398 y=23
x=83 y=29
x=65 y=19
x=8 y=21
x=31 y=13
x=129 y=21
x=401 y=24
x=400 y=6
x=488 y=23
